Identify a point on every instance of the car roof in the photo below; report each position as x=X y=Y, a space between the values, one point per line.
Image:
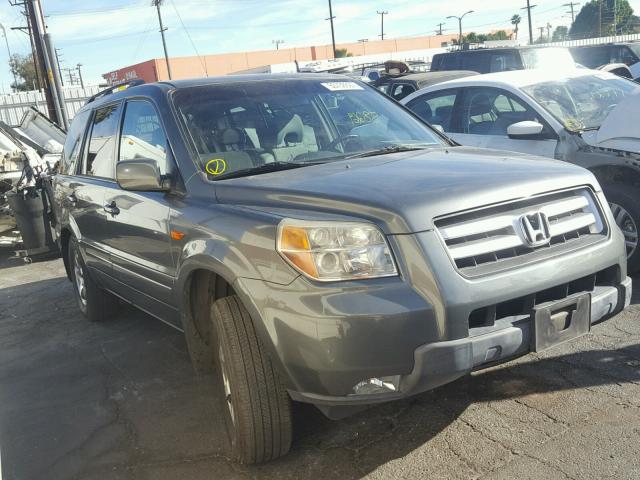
x=519 y=78
x=157 y=88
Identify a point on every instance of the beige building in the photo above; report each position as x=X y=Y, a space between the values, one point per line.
x=222 y=64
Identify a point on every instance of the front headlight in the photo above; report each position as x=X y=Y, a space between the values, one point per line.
x=332 y=251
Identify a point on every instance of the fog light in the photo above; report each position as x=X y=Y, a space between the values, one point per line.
x=374 y=386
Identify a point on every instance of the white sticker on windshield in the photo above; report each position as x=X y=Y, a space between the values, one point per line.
x=339 y=86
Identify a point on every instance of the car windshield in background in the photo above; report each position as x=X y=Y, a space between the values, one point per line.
x=535 y=58
x=259 y=126
x=581 y=103
x=635 y=48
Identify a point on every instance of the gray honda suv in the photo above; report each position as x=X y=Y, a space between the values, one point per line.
x=317 y=242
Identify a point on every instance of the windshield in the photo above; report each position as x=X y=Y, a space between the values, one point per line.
x=581 y=103
x=534 y=58
x=635 y=48
x=249 y=125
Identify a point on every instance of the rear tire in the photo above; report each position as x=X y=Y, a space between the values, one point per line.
x=95 y=303
x=624 y=201
x=257 y=407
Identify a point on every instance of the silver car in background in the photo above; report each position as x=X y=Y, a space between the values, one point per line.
x=586 y=117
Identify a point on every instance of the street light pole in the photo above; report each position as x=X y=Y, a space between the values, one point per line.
x=460 y=25
x=4 y=34
x=157 y=3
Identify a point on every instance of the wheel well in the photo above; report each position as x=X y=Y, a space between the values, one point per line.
x=65 y=235
x=203 y=288
x=616 y=174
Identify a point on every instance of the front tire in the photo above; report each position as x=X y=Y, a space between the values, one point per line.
x=95 y=303
x=257 y=407
x=624 y=201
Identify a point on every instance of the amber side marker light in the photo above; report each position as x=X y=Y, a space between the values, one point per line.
x=176 y=235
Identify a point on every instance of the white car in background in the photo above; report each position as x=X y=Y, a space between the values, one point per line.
x=585 y=117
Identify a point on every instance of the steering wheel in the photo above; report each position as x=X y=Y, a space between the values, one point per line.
x=341 y=140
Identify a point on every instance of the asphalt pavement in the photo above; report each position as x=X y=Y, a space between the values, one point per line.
x=119 y=400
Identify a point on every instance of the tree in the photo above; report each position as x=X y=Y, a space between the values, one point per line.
x=560 y=34
x=596 y=18
x=23 y=67
x=342 y=53
x=515 y=21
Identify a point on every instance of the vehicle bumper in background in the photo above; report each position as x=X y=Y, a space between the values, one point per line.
x=439 y=363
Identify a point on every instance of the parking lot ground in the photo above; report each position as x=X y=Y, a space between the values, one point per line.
x=119 y=400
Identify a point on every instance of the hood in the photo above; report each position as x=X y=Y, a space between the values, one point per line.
x=404 y=192
x=619 y=130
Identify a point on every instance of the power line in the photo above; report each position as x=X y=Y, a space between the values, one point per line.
x=203 y=62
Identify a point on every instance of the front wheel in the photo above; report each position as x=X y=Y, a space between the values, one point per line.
x=257 y=407
x=624 y=201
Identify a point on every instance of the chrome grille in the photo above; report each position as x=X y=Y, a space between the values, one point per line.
x=493 y=238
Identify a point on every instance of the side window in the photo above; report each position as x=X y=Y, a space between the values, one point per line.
x=100 y=159
x=502 y=62
x=142 y=134
x=73 y=144
x=490 y=111
x=436 y=108
x=402 y=90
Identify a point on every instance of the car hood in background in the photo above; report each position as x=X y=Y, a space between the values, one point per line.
x=404 y=192
x=621 y=129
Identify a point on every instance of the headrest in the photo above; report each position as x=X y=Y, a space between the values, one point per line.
x=231 y=136
x=480 y=105
x=292 y=132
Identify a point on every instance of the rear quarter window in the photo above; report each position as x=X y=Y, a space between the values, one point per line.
x=73 y=143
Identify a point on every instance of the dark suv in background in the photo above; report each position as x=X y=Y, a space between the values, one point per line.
x=317 y=242
x=489 y=60
x=595 y=56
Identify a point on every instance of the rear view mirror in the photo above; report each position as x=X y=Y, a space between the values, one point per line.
x=526 y=130
x=142 y=175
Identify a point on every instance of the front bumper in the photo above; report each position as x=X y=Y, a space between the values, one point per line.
x=436 y=364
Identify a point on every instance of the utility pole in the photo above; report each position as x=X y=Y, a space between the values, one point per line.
x=460 y=26
x=541 y=32
x=157 y=3
x=548 y=32
x=37 y=31
x=58 y=65
x=615 y=20
x=15 y=80
x=382 y=14
x=363 y=41
x=333 y=35
x=277 y=43
x=528 y=9
x=439 y=31
x=571 y=5
x=79 y=67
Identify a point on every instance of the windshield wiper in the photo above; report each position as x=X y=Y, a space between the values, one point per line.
x=266 y=168
x=386 y=150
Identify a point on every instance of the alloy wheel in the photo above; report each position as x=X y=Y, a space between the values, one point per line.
x=625 y=221
x=78 y=273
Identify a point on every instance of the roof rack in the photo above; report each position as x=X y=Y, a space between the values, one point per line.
x=116 y=88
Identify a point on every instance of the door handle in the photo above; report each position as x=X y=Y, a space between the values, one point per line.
x=72 y=199
x=111 y=208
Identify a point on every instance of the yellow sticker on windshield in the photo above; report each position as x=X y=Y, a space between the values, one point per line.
x=217 y=166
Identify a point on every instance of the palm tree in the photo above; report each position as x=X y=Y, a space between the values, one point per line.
x=515 y=21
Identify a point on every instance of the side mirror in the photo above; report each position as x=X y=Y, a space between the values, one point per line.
x=142 y=175
x=526 y=130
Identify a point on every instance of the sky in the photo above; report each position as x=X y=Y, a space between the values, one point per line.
x=105 y=35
